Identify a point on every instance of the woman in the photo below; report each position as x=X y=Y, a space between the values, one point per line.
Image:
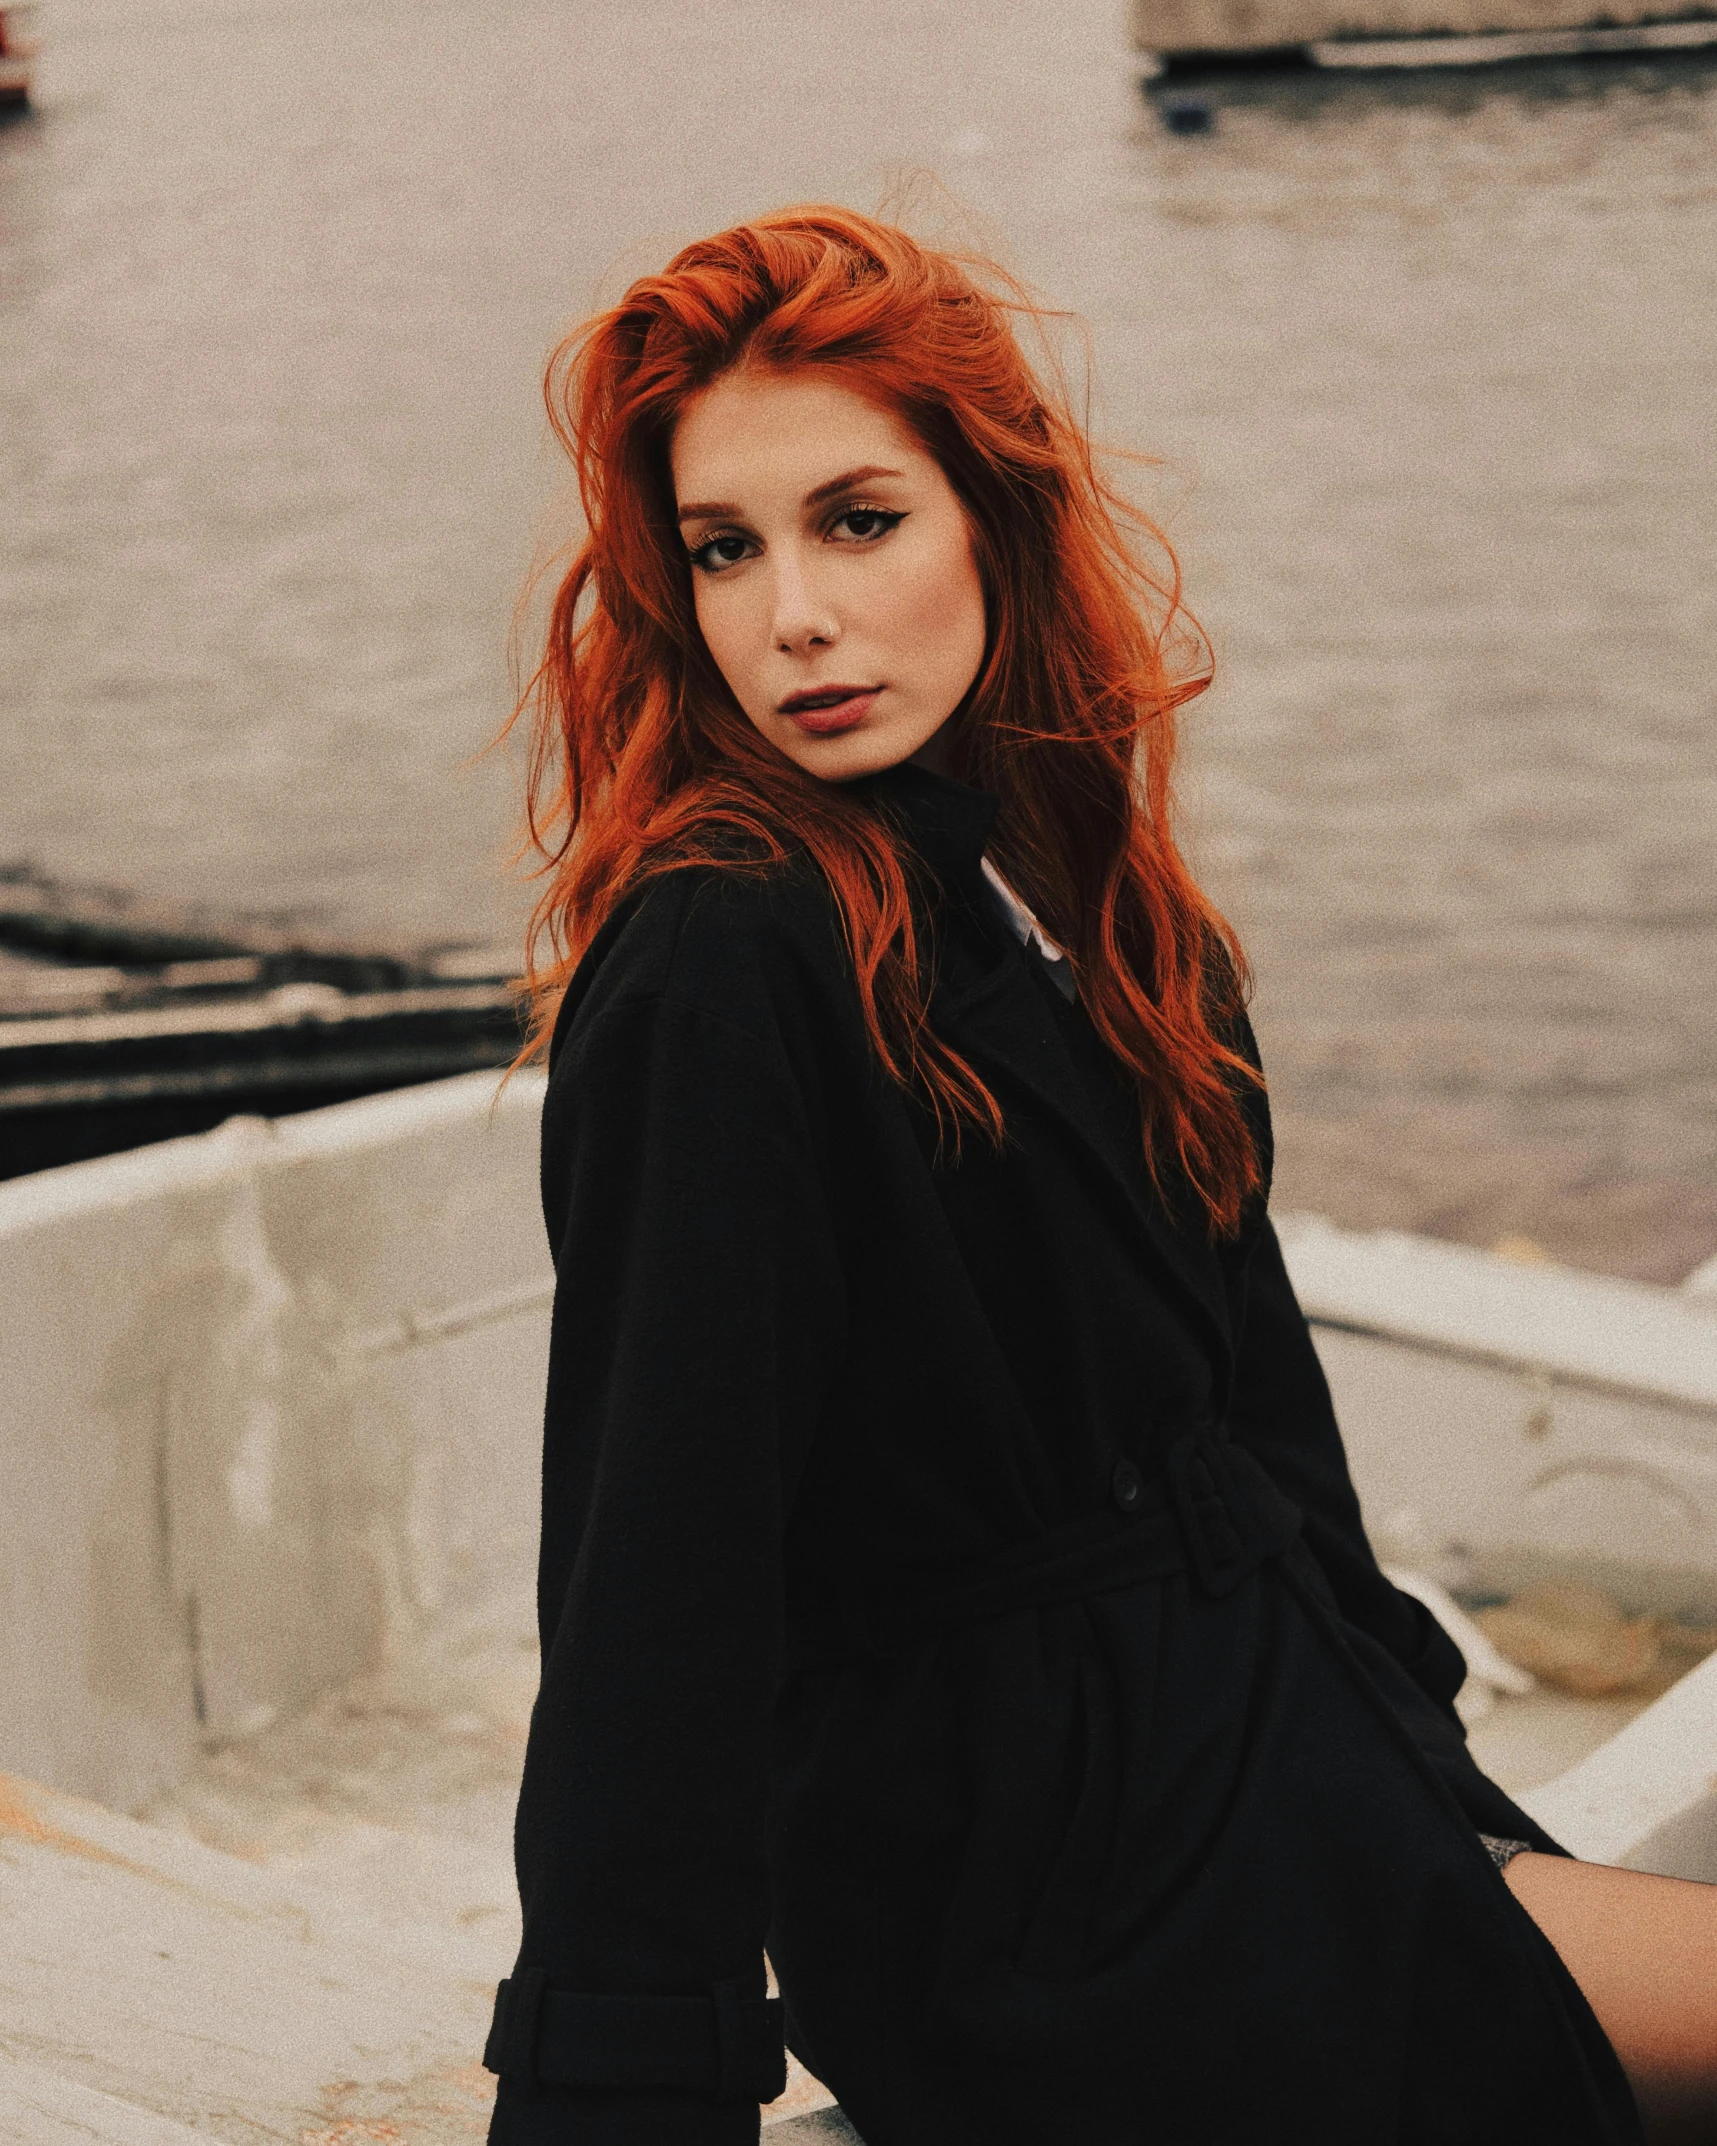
x=950 y=1573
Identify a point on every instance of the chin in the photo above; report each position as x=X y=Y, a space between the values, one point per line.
x=854 y=753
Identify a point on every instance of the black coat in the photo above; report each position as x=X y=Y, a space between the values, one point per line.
x=920 y=1597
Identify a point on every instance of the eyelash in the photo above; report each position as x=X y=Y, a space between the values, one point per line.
x=889 y=517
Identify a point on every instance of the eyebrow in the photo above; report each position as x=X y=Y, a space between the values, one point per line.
x=714 y=510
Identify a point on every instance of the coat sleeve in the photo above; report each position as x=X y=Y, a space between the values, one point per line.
x=1282 y=1413
x=698 y=1312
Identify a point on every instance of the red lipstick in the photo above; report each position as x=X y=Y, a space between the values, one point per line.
x=825 y=711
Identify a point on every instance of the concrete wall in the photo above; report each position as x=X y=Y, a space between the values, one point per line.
x=266 y=1396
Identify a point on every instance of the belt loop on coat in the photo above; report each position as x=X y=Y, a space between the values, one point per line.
x=1225 y=1535
x=511 y=2050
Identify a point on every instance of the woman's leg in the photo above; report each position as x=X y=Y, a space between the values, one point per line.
x=1644 y=1952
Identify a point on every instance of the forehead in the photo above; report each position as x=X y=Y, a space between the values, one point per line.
x=769 y=435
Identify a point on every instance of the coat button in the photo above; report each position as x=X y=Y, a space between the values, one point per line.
x=1126 y=1486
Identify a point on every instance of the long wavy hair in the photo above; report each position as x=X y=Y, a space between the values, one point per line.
x=641 y=761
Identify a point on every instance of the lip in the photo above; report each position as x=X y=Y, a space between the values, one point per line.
x=820 y=717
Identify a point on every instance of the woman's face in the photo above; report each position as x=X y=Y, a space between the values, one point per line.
x=832 y=568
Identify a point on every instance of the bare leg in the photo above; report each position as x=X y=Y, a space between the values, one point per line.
x=1644 y=1952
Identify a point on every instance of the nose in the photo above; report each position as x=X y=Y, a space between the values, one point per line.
x=804 y=619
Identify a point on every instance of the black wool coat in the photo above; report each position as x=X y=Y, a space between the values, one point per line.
x=952 y=1581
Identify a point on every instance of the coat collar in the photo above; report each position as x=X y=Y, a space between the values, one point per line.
x=987 y=1004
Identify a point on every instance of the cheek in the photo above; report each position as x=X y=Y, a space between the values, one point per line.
x=721 y=621
x=944 y=608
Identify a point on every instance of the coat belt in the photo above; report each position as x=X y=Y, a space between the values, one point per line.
x=1213 y=1513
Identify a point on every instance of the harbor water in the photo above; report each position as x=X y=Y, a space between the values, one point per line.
x=1427 y=366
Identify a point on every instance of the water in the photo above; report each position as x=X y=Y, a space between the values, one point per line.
x=1429 y=366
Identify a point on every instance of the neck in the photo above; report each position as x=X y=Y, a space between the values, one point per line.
x=936 y=754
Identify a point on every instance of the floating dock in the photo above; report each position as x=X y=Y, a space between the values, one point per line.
x=1181 y=37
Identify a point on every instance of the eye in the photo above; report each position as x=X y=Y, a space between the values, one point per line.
x=864 y=525
x=717 y=553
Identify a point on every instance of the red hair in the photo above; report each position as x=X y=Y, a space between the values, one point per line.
x=641 y=761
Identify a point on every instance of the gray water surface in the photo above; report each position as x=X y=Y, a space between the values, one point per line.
x=1429 y=365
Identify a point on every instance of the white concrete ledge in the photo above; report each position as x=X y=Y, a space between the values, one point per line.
x=1648 y=1798
x=1507 y=1423
x=1620 y=1335
x=470 y=1102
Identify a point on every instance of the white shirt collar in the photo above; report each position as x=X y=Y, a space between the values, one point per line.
x=1020 y=920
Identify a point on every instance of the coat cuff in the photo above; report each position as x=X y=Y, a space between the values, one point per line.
x=722 y=2047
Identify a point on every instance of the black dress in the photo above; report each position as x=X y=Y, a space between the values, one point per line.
x=951 y=1579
